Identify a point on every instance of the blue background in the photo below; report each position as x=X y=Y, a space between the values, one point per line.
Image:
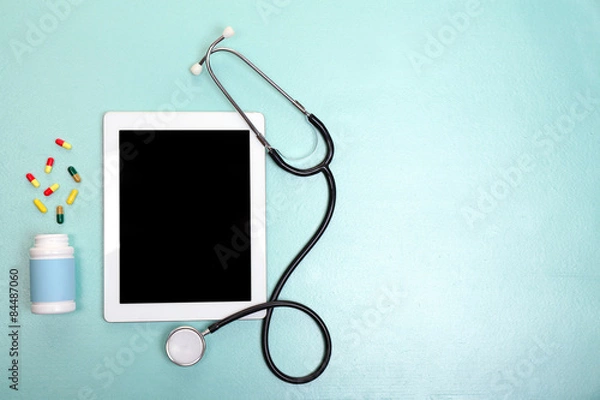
x=462 y=261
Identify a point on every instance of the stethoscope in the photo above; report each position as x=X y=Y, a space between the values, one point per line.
x=185 y=345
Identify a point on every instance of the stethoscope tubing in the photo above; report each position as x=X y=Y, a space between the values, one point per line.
x=322 y=167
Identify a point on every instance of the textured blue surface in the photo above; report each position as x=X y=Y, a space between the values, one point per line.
x=462 y=261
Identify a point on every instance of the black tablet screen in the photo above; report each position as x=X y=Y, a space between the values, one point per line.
x=184 y=216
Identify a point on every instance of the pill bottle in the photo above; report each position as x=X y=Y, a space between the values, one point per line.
x=52 y=275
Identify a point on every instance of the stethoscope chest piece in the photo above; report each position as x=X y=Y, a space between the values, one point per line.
x=185 y=346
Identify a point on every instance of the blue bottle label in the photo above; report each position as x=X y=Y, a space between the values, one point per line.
x=52 y=280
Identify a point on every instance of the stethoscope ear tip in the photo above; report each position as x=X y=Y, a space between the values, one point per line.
x=196 y=69
x=228 y=32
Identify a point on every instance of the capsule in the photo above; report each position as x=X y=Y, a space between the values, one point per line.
x=51 y=189
x=63 y=144
x=33 y=181
x=49 y=165
x=40 y=206
x=74 y=174
x=60 y=215
x=72 y=196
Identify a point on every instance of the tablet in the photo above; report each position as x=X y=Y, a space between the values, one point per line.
x=184 y=216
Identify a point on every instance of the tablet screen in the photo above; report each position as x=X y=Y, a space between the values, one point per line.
x=184 y=216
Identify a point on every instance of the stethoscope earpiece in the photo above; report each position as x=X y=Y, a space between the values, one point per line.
x=185 y=346
x=228 y=32
x=196 y=69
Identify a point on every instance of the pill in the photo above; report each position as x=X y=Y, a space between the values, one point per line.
x=32 y=179
x=49 y=165
x=60 y=215
x=74 y=174
x=40 y=206
x=63 y=144
x=51 y=189
x=72 y=196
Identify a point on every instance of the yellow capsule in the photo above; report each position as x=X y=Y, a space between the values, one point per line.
x=40 y=206
x=72 y=196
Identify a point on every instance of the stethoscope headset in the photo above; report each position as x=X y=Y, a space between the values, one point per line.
x=185 y=345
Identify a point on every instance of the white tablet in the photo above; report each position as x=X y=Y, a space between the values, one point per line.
x=184 y=216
